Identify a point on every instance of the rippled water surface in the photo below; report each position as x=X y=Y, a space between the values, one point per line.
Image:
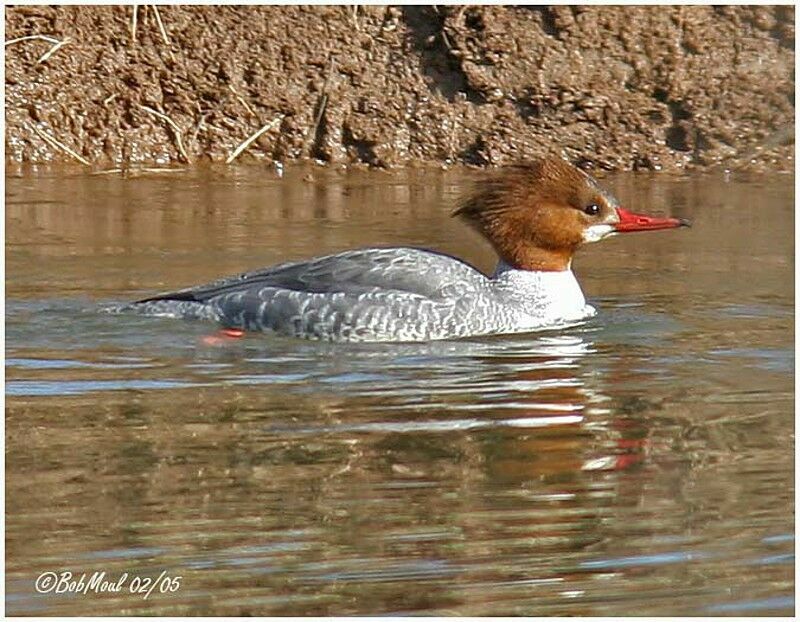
x=641 y=463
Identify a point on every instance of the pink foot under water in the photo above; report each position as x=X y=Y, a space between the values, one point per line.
x=223 y=336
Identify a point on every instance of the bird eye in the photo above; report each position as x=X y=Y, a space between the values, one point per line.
x=592 y=210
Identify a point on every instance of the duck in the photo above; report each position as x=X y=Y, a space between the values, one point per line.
x=536 y=216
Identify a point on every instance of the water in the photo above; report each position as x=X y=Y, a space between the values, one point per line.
x=641 y=463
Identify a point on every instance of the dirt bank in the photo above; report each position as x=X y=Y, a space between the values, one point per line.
x=612 y=87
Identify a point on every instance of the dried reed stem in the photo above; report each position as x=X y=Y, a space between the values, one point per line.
x=54 y=143
x=109 y=171
x=29 y=37
x=52 y=50
x=242 y=101
x=148 y=169
x=253 y=138
x=175 y=129
x=322 y=104
x=136 y=172
x=160 y=24
x=134 y=19
x=57 y=44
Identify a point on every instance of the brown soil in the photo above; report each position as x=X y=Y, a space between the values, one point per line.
x=611 y=87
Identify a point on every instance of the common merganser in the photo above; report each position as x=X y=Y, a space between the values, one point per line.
x=535 y=216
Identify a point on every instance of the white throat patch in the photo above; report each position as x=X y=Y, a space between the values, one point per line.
x=595 y=233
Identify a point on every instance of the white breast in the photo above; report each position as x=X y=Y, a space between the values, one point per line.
x=542 y=297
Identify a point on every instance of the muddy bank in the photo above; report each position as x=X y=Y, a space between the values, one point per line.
x=609 y=87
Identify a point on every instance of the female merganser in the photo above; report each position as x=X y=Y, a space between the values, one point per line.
x=534 y=215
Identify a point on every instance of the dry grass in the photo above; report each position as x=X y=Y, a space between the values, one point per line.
x=322 y=104
x=29 y=37
x=58 y=145
x=134 y=22
x=161 y=28
x=242 y=101
x=57 y=44
x=253 y=138
x=175 y=129
x=138 y=172
x=53 y=50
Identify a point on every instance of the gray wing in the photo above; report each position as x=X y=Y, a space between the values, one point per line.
x=368 y=295
x=414 y=271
